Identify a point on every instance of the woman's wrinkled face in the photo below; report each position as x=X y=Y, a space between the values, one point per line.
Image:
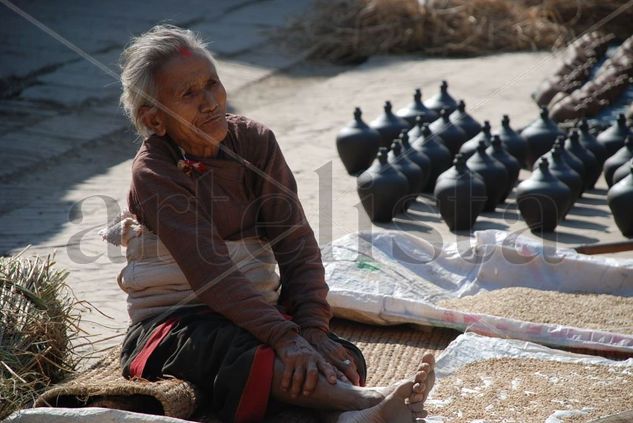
x=193 y=100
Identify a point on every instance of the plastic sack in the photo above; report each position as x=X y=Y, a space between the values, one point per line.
x=391 y=277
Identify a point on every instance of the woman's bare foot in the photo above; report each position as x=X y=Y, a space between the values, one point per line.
x=390 y=410
x=424 y=379
x=402 y=401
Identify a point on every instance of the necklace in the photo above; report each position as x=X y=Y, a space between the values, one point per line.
x=189 y=166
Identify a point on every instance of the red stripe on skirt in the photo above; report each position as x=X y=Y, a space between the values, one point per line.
x=254 y=399
x=160 y=332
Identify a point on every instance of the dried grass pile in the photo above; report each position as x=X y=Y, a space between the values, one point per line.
x=38 y=322
x=352 y=30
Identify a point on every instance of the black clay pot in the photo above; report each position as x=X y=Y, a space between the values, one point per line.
x=460 y=195
x=417 y=109
x=570 y=159
x=513 y=142
x=432 y=146
x=562 y=171
x=620 y=200
x=417 y=157
x=542 y=199
x=357 y=144
x=540 y=136
x=622 y=172
x=452 y=136
x=622 y=156
x=416 y=132
x=442 y=100
x=382 y=189
x=412 y=171
x=388 y=125
x=465 y=121
x=591 y=143
x=612 y=138
x=470 y=147
x=497 y=151
x=493 y=173
x=589 y=161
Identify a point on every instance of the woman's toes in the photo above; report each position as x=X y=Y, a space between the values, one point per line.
x=424 y=367
x=403 y=390
x=417 y=398
x=421 y=376
x=429 y=359
x=419 y=388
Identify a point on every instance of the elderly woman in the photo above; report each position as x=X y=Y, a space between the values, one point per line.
x=219 y=211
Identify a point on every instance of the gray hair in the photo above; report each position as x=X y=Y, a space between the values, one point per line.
x=143 y=57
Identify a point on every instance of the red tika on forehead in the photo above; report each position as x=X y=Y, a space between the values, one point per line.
x=184 y=52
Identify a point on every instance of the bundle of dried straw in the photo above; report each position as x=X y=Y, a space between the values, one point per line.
x=352 y=30
x=38 y=322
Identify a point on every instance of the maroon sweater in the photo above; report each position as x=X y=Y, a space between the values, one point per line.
x=193 y=215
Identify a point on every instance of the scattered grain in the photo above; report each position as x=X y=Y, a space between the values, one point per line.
x=593 y=311
x=530 y=390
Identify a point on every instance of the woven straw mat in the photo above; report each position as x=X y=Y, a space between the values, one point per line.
x=393 y=352
x=104 y=380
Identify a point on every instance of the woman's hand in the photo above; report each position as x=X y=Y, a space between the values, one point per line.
x=333 y=352
x=302 y=365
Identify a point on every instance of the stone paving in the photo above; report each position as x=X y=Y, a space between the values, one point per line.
x=66 y=148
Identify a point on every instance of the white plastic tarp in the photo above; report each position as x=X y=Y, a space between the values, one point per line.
x=469 y=348
x=85 y=415
x=391 y=277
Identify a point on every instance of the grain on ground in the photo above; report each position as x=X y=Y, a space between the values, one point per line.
x=530 y=390
x=583 y=310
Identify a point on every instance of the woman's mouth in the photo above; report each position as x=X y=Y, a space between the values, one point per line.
x=211 y=119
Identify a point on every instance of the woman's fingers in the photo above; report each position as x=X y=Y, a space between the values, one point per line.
x=311 y=379
x=348 y=367
x=340 y=356
x=328 y=371
x=298 y=377
x=340 y=376
x=286 y=377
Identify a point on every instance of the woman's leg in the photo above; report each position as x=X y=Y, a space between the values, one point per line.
x=364 y=404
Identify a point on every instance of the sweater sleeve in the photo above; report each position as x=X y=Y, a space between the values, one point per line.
x=297 y=252
x=163 y=198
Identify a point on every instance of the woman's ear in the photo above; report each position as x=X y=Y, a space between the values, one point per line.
x=152 y=120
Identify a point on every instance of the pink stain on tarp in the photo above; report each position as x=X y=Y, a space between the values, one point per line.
x=470 y=319
x=449 y=316
x=533 y=329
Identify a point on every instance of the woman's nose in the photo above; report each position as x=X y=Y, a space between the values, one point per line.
x=209 y=102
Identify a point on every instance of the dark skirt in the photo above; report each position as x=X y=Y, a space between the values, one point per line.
x=229 y=366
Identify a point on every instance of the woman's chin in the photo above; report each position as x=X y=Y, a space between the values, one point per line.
x=216 y=131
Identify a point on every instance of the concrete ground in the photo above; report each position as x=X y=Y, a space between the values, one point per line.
x=66 y=147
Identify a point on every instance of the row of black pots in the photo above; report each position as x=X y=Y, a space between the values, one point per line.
x=575 y=162
x=541 y=134
x=480 y=183
x=461 y=194
x=561 y=176
x=440 y=110
x=399 y=176
x=358 y=142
